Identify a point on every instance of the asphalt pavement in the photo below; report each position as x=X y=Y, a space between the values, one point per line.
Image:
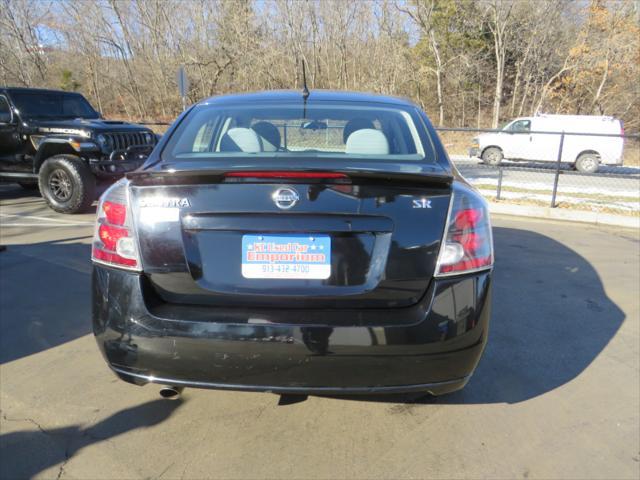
x=556 y=395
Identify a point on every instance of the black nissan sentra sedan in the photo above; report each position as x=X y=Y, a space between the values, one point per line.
x=294 y=243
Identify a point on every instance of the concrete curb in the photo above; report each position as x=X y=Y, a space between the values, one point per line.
x=596 y=218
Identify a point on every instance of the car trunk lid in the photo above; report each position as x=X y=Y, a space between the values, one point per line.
x=381 y=238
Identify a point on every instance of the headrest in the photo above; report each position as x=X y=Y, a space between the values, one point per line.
x=270 y=135
x=353 y=125
x=368 y=141
x=240 y=140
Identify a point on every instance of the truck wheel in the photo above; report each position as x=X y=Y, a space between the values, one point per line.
x=67 y=184
x=492 y=156
x=587 y=163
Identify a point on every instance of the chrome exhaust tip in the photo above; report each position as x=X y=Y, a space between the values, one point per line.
x=170 y=392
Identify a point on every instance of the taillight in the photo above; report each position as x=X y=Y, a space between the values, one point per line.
x=467 y=245
x=115 y=243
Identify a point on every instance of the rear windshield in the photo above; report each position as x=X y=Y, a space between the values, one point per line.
x=317 y=130
x=52 y=105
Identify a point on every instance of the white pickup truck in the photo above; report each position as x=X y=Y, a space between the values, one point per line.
x=538 y=139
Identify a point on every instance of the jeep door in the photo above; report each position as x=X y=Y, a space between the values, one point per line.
x=9 y=138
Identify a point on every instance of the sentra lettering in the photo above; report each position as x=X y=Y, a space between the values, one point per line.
x=170 y=202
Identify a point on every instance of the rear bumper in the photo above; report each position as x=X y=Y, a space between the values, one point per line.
x=229 y=350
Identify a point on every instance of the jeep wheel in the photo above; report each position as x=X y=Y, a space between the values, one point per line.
x=492 y=156
x=67 y=184
x=587 y=163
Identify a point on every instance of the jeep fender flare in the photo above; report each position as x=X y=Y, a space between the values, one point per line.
x=51 y=146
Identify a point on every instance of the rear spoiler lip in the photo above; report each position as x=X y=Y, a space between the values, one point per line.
x=405 y=172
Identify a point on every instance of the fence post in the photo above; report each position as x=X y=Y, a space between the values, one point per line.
x=499 y=189
x=557 y=177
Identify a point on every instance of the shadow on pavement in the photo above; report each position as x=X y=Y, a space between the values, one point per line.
x=32 y=197
x=44 y=297
x=551 y=318
x=10 y=191
x=26 y=453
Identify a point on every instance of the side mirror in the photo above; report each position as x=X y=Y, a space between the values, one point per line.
x=5 y=117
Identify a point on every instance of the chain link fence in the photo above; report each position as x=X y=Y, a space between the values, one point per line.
x=581 y=170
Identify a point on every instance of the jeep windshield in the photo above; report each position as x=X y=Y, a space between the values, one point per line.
x=346 y=130
x=52 y=105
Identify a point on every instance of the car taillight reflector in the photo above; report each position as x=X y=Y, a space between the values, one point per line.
x=113 y=258
x=467 y=245
x=109 y=235
x=114 y=242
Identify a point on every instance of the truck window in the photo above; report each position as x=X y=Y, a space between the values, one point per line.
x=521 y=126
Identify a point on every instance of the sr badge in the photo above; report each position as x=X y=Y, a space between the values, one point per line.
x=422 y=203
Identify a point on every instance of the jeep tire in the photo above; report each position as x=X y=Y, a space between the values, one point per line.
x=67 y=184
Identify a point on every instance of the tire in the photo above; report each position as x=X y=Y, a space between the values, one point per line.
x=492 y=156
x=67 y=184
x=587 y=163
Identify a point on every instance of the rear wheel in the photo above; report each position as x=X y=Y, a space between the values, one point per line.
x=67 y=184
x=492 y=156
x=587 y=163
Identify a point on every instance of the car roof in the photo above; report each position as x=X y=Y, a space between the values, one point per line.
x=279 y=96
x=35 y=90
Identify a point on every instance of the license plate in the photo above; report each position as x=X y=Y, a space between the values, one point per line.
x=286 y=256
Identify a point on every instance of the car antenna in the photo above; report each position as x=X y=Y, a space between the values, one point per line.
x=305 y=90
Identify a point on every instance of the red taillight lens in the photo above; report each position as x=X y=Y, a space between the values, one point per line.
x=114 y=242
x=467 y=245
x=290 y=175
x=467 y=218
x=116 y=213
x=109 y=235
x=112 y=258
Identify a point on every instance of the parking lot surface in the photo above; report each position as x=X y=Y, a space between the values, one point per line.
x=556 y=394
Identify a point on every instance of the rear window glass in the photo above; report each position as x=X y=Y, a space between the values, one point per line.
x=317 y=130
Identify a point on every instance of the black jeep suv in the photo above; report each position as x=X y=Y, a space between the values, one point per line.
x=56 y=141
